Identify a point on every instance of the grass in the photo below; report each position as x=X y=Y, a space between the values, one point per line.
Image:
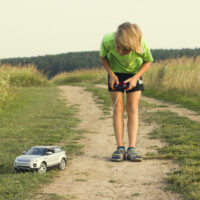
x=4 y=87
x=183 y=137
x=26 y=76
x=53 y=196
x=36 y=116
x=135 y=194
x=80 y=76
x=174 y=96
x=112 y=181
x=175 y=80
x=80 y=180
x=12 y=77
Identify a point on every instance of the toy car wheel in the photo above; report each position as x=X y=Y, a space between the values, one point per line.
x=17 y=170
x=43 y=168
x=62 y=164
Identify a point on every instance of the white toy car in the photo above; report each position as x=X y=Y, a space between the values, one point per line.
x=39 y=158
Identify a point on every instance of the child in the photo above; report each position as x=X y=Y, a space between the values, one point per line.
x=126 y=56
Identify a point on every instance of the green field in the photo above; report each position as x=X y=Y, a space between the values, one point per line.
x=175 y=80
x=36 y=117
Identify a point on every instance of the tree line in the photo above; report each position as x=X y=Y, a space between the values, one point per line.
x=54 y=64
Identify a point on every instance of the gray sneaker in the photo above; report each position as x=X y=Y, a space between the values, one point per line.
x=119 y=154
x=133 y=155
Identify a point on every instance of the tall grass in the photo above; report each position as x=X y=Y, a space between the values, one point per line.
x=80 y=76
x=4 y=86
x=25 y=76
x=180 y=75
x=175 y=80
x=12 y=77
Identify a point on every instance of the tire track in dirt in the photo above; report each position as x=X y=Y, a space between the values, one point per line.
x=92 y=176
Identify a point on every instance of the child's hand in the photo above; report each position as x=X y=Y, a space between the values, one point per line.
x=132 y=82
x=113 y=80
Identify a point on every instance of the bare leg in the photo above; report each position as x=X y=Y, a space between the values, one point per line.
x=132 y=110
x=118 y=117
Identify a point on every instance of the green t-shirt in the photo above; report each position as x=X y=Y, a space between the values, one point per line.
x=129 y=63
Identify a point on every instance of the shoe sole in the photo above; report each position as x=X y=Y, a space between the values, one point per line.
x=135 y=159
x=118 y=160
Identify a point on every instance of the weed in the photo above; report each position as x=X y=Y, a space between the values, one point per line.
x=135 y=194
x=112 y=181
x=80 y=179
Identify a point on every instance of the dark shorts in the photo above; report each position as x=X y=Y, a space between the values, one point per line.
x=122 y=77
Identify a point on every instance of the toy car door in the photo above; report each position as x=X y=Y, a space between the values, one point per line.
x=51 y=157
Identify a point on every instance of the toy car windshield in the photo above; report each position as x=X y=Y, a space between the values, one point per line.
x=36 y=151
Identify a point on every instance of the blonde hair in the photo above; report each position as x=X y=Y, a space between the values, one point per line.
x=128 y=37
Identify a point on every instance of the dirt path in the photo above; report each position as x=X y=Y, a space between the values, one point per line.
x=92 y=176
x=169 y=106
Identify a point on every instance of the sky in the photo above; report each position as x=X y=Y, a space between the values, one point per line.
x=48 y=27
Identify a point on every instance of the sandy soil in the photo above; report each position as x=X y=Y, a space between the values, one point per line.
x=92 y=176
